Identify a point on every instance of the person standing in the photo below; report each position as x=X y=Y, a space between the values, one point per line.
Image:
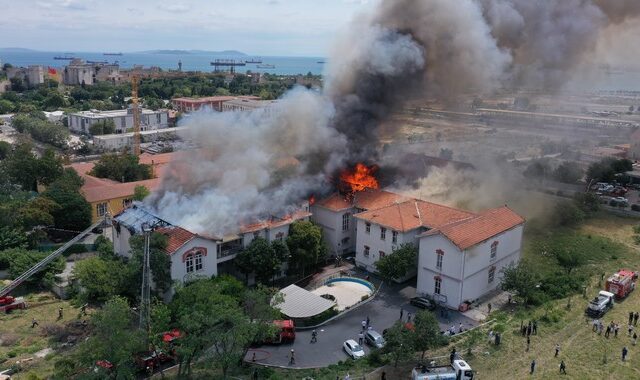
x=364 y=324
x=60 y=313
x=535 y=327
x=292 y=359
x=368 y=321
x=34 y=323
x=383 y=376
x=630 y=317
x=401 y=313
x=635 y=338
x=314 y=336
x=533 y=366
x=635 y=318
x=608 y=331
x=360 y=338
x=615 y=330
x=528 y=342
x=452 y=355
x=409 y=317
x=557 y=350
x=624 y=353
x=488 y=308
x=563 y=367
x=629 y=329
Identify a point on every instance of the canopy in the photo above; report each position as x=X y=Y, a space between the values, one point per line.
x=301 y=303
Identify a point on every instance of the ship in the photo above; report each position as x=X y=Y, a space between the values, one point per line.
x=266 y=66
x=111 y=53
x=320 y=62
x=253 y=60
x=61 y=58
x=98 y=62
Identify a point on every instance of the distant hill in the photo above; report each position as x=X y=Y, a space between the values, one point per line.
x=182 y=52
x=16 y=50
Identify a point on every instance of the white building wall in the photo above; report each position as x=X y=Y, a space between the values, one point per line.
x=121 y=241
x=331 y=223
x=376 y=244
x=450 y=274
x=35 y=75
x=209 y=262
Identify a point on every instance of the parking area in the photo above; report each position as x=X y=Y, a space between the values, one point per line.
x=383 y=311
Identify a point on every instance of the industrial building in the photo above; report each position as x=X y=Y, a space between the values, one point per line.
x=117 y=142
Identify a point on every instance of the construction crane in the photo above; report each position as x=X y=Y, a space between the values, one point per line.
x=136 y=114
x=39 y=266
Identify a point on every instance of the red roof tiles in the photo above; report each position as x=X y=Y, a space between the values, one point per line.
x=368 y=200
x=474 y=230
x=116 y=190
x=177 y=237
x=413 y=214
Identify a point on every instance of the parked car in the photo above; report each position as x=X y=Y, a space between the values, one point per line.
x=374 y=339
x=353 y=349
x=423 y=303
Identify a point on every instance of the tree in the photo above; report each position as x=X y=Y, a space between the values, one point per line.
x=569 y=259
x=398 y=263
x=140 y=192
x=6 y=106
x=75 y=212
x=587 y=202
x=100 y=279
x=261 y=258
x=21 y=260
x=568 y=214
x=568 y=172
x=538 y=169
x=11 y=237
x=159 y=262
x=121 y=167
x=5 y=149
x=113 y=338
x=521 y=280
x=305 y=244
x=17 y=84
x=427 y=332
x=399 y=342
x=606 y=169
x=26 y=170
x=54 y=101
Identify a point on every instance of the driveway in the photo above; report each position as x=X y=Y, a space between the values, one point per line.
x=383 y=311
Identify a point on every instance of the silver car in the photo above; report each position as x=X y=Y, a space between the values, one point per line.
x=374 y=339
x=353 y=349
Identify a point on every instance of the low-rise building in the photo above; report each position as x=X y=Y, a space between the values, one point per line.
x=247 y=104
x=117 y=142
x=213 y=102
x=78 y=72
x=32 y=75
x=80 y=122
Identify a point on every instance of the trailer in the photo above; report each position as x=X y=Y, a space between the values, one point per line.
x=622 y=283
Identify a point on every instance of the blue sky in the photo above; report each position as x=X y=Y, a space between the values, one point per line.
x=259 y=27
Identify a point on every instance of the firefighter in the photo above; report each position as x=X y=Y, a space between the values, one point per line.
x=34 y=323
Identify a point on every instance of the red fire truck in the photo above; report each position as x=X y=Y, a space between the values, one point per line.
x=622 y=283
x=286 y=332
x=8 y=303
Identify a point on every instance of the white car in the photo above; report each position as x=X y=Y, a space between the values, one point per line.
x=353 y=349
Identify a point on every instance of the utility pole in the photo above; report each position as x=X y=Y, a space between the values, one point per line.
x=145 y=296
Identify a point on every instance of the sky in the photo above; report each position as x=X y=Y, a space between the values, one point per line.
x=256 y=27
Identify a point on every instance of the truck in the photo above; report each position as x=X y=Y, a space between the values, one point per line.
x=457 y=370
x=8 y=303
x=600 y=305
x=286 y=332
x=621 y=283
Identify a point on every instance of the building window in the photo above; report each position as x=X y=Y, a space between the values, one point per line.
x=345 y=222
x=382 y=254
x=438 y=285
x=366 y=251
x=439 y=256
x=383 y=233
x=126 y=202
x=189 y=263
x=280 y=236
x=367 y=227
x=256 y=234
x=394 y=237
x=198 y=261
x=494 y=250
x=101 y=208
x=492 y=274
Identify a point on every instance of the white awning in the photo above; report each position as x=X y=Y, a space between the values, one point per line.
x=301 y=303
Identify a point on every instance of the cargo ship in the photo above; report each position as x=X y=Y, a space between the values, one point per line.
x=253 y=60
x=111 y=53
x=61 y=58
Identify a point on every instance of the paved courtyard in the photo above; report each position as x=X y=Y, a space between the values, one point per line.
x=382 y=311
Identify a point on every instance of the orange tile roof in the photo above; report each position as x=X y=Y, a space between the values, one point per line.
x=369 y=199
x=471 y=231
x=117 y=190
x=412 y=214
x=177 y=237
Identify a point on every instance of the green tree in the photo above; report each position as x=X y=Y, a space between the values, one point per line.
x=11 y=237
x=121 y=167
x=100 y=279
x=113 y=339
x=21 y=260
x=568 y=214
x=6 y=106
x=305 y=245
x=521 y=280
x=589 y=203
x=159 y=262
x=5 y=149
x=54 y=101
x=26 y=170
x=398 y=264
x=568 y=172
x=399 y=343
x=538 y=169
x=75 y=212
x=569 y=259
x=427 y=334
x=140 y=192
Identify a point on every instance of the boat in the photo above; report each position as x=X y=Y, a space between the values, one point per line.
x=98 y=62
x=321 y=62
x=253 y=60
x=266 y=66
x=111 y=53
x=60 y=58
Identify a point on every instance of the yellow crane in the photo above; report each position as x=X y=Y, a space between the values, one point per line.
x=135 y=106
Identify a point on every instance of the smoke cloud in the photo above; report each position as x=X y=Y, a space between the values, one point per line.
x=258 y=163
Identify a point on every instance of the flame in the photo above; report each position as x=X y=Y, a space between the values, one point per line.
x=312 y=200
x=360 y=177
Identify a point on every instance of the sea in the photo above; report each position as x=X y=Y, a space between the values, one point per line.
x=190 y=61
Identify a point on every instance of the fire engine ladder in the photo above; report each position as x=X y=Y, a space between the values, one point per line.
x=39 y=266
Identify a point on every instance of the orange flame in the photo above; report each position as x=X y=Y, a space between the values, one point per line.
x=360 y=178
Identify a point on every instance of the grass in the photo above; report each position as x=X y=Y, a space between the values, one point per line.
x=26 y=341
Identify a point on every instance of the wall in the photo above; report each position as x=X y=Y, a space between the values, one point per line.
x=331 y=223
x=121 y=241
x=450 y=274
x=375 y=244
x=114 y=206
x=209 y=262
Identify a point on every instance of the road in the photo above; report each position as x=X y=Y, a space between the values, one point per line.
x=383 y=311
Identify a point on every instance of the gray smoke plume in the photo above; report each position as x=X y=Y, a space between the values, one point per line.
x=257 y=163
